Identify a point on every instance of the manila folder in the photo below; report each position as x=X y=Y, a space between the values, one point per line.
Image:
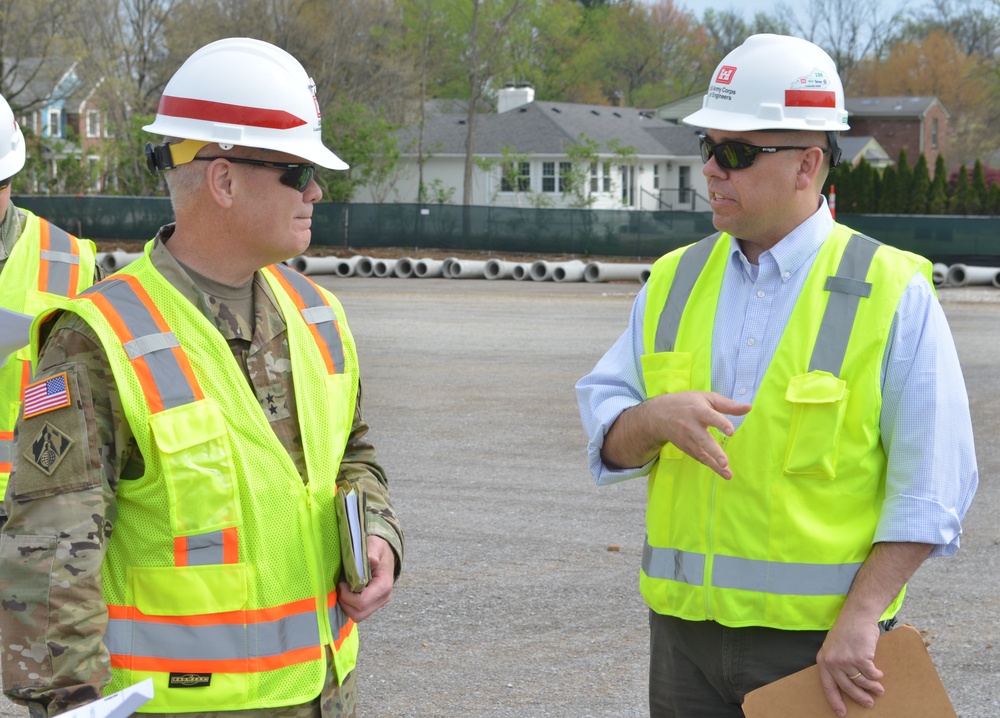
x=912 y=686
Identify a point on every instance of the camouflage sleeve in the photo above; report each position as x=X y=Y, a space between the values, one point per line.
x=360 y=467
x=61 y=502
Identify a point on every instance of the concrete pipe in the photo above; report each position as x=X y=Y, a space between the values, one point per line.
x=610 y=271
x=996 y=280
x=540 y=271
x=347 y=267
x=466 y=269
x=383 y=267
x=498 y=269
x=521 y=271
x=113 y=261
x=939 y=273
x=314 y=265
x=644 y=274
x=403 y=268
x=365 y=267
x=428 y=268
x=571 y=271
x=959 y=275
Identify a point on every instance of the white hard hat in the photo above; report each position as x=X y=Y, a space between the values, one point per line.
x=11 y=142
x=241 y=91
x=774 y=82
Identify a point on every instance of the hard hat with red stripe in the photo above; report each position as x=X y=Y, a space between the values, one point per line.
x=241 y=91
x=773 y=82
x=11 y=143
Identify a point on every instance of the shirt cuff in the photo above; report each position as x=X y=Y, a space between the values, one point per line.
x=911 y=519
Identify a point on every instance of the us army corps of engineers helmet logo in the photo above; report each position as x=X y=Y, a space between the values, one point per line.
x=48 y=449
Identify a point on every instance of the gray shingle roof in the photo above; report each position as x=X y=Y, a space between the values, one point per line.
x=549 y=128
x=896 y=106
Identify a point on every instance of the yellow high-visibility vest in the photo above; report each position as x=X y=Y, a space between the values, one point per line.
x=46 y=263
x=779 y=544
x=221 y=573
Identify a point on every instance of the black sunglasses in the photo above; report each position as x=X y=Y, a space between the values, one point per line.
x=295 y=175
x=5 y=183
x=734 y=155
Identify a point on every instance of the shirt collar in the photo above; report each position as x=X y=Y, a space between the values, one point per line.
x=795 y=248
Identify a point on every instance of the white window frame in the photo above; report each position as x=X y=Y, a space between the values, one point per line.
x=93 y=123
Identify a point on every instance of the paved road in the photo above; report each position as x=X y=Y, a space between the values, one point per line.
x=511 y=603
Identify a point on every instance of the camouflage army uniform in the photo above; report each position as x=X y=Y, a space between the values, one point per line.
x=10 y=231
x=62 y=502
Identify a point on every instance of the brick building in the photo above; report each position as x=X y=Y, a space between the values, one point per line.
x=918 y=124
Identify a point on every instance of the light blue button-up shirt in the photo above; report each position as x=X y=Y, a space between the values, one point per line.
x=925 y=423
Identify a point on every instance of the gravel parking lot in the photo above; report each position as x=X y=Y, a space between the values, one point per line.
x=519 y=595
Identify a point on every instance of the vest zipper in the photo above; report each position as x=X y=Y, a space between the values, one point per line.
x=710 y=528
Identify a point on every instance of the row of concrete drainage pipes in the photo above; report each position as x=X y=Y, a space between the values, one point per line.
x=451 y=268
x=574 y=270
x=962 y=275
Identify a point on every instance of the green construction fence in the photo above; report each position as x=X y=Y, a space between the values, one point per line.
x=579 y=232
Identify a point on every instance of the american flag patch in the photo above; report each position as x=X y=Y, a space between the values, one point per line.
x=46 y=395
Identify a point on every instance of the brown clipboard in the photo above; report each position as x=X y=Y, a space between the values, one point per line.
x=913 y=688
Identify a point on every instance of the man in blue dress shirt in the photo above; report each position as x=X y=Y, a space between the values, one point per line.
x=793 y=392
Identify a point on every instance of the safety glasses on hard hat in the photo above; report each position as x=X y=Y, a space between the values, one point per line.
x=296 y=175
x=733 y=155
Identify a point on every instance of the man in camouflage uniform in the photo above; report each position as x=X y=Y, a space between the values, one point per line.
x=233 y=218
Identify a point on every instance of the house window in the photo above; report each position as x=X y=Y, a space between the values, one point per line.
x=656 y=177
x=93 y=123
x=683 y=184
x=548 y=176
x=94 y=170
x=565 y=170
x=55 y=130
x=519 y=175
x=934 y=133
x=600 y=177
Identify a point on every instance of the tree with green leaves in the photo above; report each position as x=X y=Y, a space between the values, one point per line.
x=367 y=142
x=863 y=188
x=960 y=200
x=937 y=203
x=904 y=183
x=921 y=187
x=978 y=202
x=888 y=196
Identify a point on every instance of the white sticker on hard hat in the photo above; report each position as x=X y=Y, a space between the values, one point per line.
x=815 y=80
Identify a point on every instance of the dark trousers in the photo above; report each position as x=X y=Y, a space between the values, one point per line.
x=701 y=669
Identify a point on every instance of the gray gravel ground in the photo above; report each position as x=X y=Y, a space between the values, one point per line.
x=520 y=590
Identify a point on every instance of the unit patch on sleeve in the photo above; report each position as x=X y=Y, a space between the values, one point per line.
x=46 y=395
x=48 y=449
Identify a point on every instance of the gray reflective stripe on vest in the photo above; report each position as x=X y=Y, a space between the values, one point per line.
x=338 y=619
x=846 y=289
x=149 y=343
x=6 y=451
x=61 y=259
x=317 y=313
x=689 y=268
x=785 y=579
x=221 y=642
x=672 y=564
x=205 y=549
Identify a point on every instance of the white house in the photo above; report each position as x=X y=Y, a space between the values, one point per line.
x=553 y=154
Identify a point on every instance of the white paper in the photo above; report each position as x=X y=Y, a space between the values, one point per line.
x=118 y=705
x=354 y=521
x=14 y=328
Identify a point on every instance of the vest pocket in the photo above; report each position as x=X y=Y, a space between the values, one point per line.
x=667 y=373
x=194 y=450
x=189 y=590
x=819 y=404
